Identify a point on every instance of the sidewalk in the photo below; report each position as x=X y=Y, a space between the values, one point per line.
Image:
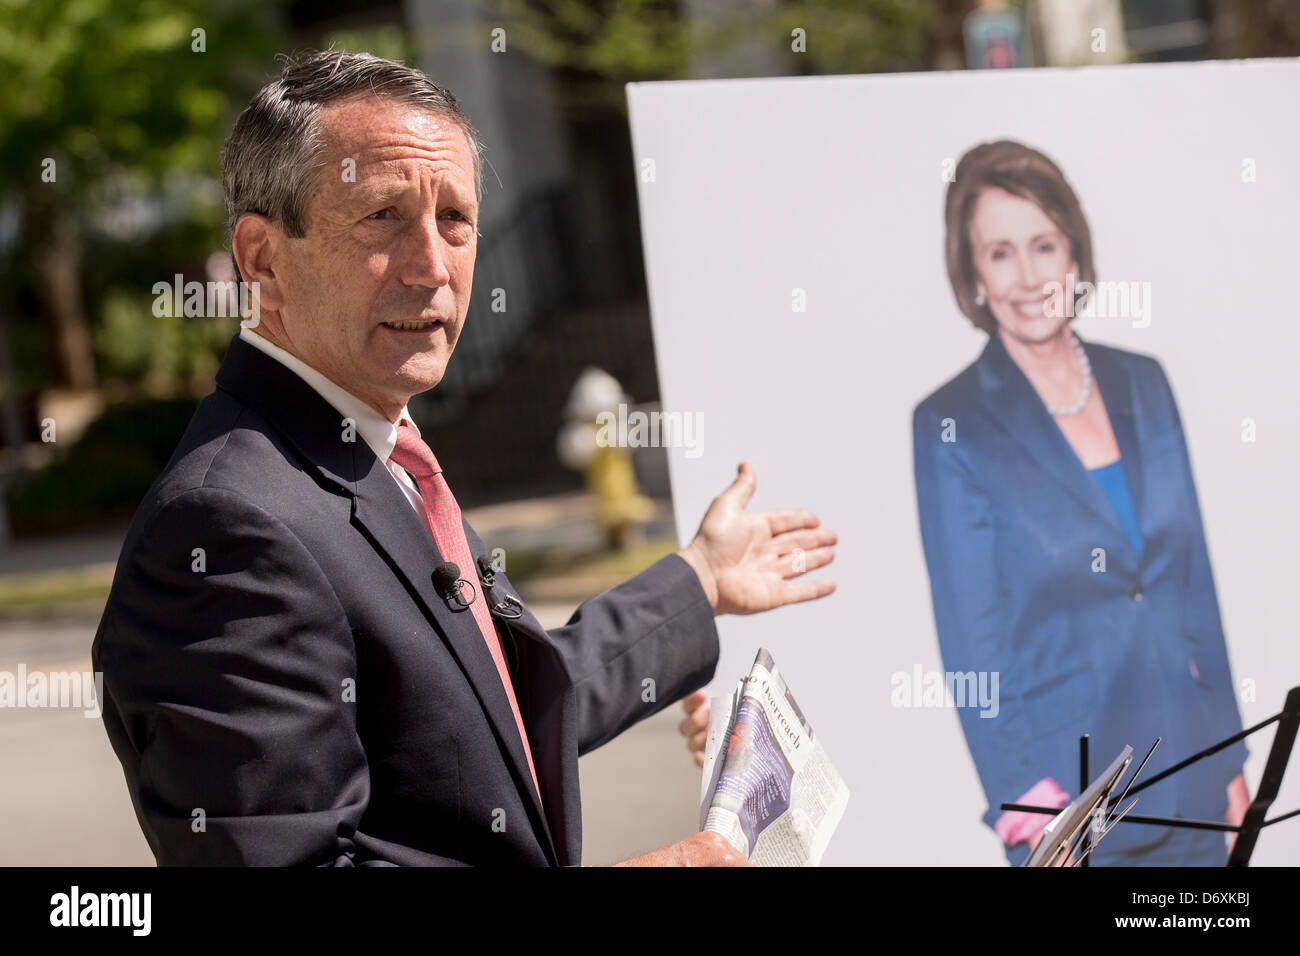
x=66 y=552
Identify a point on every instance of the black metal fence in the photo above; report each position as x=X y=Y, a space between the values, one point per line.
x=547 y=302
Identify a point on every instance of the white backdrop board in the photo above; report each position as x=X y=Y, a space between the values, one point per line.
x=753 y=192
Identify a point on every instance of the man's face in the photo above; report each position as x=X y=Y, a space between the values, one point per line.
x=375 y=294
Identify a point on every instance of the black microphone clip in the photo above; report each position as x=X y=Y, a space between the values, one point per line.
x=486 y=571
x=510 y=608
x=447 y=579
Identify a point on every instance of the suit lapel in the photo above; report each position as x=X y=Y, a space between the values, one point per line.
x=387 y=517
x=549 y=715
x=381 y=510
x=1015 y=407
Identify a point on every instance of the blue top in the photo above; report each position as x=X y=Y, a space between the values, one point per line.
x=1111 y=479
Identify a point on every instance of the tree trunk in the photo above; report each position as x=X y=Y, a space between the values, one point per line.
x=57 y=265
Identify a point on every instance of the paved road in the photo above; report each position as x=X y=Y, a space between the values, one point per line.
x=63 y=800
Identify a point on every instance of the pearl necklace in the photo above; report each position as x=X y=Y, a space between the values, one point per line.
x=1085 y=370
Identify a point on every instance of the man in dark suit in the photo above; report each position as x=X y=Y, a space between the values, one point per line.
x=289 y=676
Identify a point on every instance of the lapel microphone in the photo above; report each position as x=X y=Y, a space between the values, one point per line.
x=508 y=610
x=449 y=583
x=485 y=570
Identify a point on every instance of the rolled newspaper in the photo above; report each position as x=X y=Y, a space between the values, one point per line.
x=768 y=785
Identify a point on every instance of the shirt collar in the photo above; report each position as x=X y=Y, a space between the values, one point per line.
x=375 y=430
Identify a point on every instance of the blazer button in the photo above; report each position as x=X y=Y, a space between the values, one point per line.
x=1135 y=593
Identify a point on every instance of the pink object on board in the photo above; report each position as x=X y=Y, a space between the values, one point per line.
x=1017 y=825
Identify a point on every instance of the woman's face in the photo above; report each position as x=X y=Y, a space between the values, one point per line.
x=1017 y=251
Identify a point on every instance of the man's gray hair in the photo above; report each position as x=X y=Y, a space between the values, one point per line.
x=270 y=162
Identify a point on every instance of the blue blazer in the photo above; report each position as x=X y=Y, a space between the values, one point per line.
x=1014 y=529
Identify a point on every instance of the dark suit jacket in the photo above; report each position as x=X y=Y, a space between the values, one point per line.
x=284 y=685
x=1010 y=521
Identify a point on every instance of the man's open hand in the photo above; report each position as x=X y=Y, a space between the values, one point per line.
x=745 y=560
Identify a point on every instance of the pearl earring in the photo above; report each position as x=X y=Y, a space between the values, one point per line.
x=979 y=298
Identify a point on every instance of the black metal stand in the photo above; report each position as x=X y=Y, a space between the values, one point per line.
x=1084 y=779
x=1288 y=723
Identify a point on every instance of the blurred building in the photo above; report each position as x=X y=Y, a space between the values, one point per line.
x=559 y=283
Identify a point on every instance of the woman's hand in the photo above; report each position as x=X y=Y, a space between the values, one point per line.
x=1238 y=804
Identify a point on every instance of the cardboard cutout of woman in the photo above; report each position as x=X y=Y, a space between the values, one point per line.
x=1063 y=535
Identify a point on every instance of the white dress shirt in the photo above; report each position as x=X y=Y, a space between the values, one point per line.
x=376 y=431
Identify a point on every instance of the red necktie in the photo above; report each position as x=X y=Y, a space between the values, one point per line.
x=442 y=517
